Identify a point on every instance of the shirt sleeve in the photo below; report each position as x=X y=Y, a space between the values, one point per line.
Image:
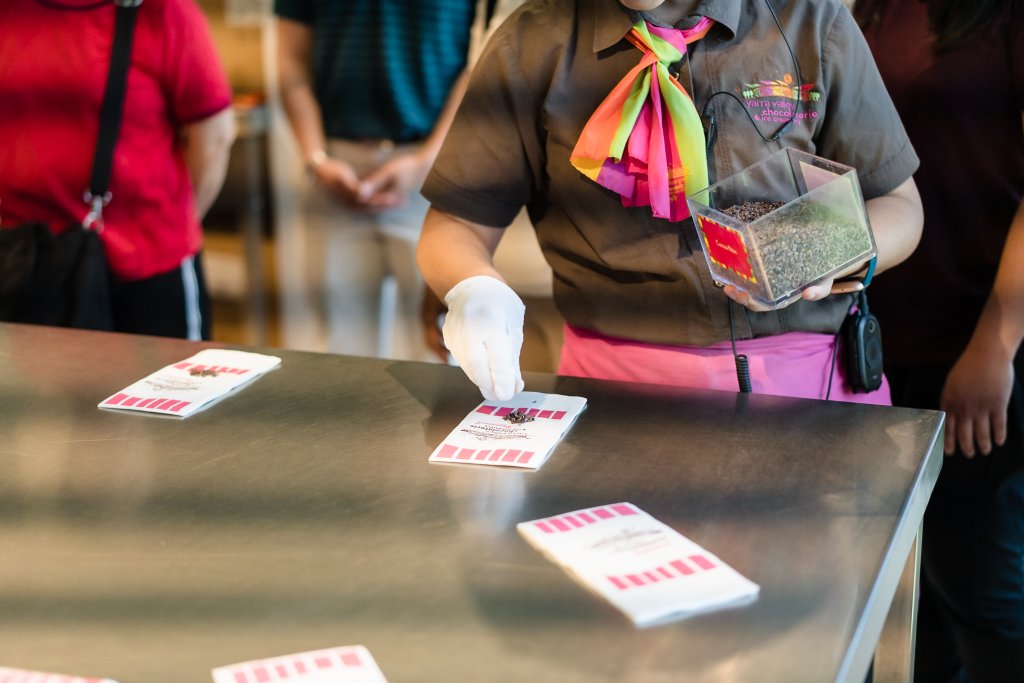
x=863 y=130
x=194 y=78
x=296 y=10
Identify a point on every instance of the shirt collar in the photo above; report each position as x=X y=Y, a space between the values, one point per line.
x=613 y=22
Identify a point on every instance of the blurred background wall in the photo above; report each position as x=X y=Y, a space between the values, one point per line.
x=239 y=228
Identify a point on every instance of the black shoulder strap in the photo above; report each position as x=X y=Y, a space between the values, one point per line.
x=113 y=100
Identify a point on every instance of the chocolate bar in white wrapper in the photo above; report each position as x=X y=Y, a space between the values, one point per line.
x=345 y=664
x=644 y=568
x=8 y=675
x=521 y=432
x=182 y=388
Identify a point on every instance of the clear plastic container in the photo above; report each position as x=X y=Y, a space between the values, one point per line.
x=783 y=224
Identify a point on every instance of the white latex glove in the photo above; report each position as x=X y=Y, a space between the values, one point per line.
x=483 y=330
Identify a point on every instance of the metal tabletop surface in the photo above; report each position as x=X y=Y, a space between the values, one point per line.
x=301 y=513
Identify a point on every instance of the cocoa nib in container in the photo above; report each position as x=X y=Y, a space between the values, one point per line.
x=751 y=211
x=800 y=243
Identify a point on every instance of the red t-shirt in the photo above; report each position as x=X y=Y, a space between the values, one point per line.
x=54 y=57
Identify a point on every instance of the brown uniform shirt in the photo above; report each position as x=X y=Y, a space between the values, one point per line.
x=618 y=270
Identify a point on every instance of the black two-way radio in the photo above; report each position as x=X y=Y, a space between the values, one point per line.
x=862 y=337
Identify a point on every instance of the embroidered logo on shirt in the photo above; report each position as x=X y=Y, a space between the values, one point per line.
x=779 y=100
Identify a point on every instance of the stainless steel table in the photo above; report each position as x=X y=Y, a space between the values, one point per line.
x=301 y=513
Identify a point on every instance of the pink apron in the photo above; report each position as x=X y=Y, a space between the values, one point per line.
x=793 y=364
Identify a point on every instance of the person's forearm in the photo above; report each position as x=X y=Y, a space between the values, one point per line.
x=207 y=149
x=896 y=221
x=432 y=145
x=296 y=87
x=451 y=250
x=390 y=183
x=303 y=112
x=1000 y=328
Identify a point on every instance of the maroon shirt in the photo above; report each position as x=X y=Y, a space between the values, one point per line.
x=962 y=110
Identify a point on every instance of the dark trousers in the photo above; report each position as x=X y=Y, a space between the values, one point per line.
x=971 y=618
x=162 y=305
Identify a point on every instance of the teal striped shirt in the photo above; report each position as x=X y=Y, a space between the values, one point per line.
x=383 y=68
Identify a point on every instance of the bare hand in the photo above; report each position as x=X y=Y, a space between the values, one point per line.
x=389 y=184
x=815 y=292
x=975 y=398
x=431 y=309
x=341 y=180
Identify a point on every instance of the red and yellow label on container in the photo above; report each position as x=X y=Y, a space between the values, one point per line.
x=726 y=248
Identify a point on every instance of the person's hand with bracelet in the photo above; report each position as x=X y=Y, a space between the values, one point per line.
x=844 y=284
x=337 y=176
x=856 y=281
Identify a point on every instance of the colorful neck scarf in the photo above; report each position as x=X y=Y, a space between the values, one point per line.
x=646 y=140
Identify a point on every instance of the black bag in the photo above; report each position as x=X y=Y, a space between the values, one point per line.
x=48 y=279
x=64 y=279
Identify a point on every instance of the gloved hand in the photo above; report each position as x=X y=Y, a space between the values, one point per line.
x=484 y=332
